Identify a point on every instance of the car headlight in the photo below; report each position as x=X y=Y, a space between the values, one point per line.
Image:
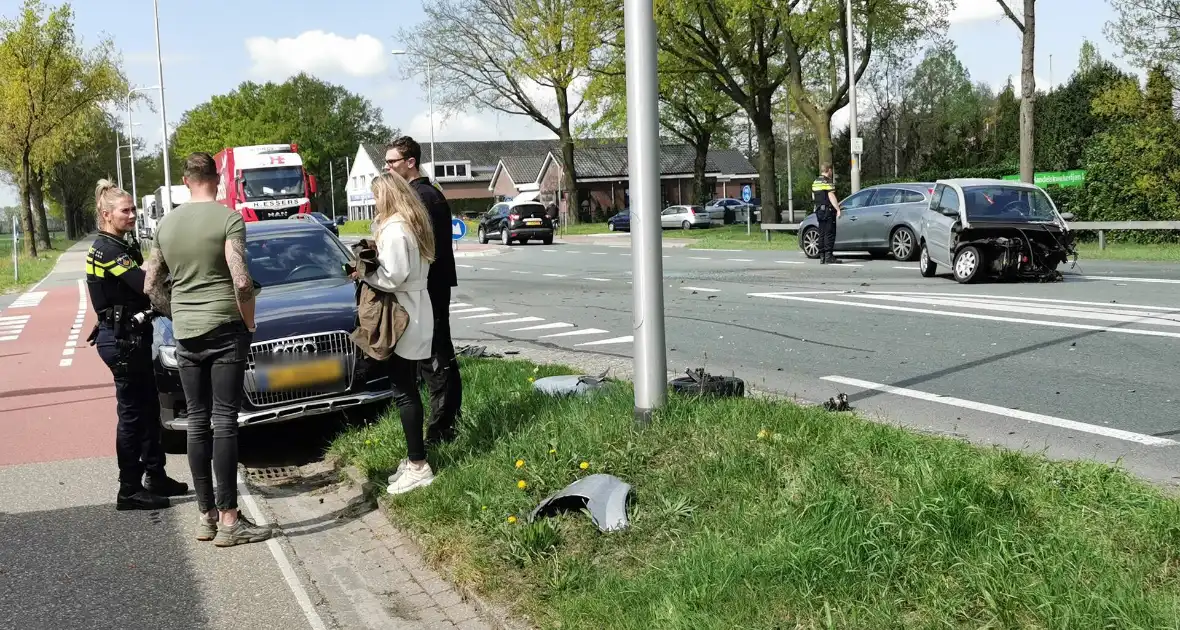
x=168 y=356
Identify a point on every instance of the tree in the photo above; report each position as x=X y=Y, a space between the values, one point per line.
x=1147 y=30
x=1064 y=120
x=47 y=81
x=510 y=56
x=325 y=120
x=1027 y=27
x=71 y=181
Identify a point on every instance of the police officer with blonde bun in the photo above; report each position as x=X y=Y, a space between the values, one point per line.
x=123 y=336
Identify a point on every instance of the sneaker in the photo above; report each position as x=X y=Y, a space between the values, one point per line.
x=165 y=486
x=410 y=478
x=206 y=528
x=401 y=468
x=240 y=533
x=140 y=500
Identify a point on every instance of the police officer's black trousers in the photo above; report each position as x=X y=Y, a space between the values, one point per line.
x=827 y=232
x=441 y=372
x=137 y=437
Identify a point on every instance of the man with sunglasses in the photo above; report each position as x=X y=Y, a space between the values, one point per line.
x=403 y=156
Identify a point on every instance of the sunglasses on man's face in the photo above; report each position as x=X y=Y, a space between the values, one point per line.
x=389 y=162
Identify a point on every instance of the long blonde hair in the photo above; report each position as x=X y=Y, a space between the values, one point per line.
x=393 y=196
x=106 y=193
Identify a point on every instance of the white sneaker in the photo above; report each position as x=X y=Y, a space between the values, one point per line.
x=410 y=478
x=401 y=468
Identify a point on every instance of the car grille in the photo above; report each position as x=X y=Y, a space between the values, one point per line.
x=336 y=343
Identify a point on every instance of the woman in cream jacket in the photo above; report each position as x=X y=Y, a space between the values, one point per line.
x=405 y=249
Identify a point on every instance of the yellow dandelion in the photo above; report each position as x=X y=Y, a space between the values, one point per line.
x=511 y=519
x=484 y=507
x=532 y=380
x=552 y=451
x=584 y=465
x=522 y=484
x=520 y=463
x=763 y=434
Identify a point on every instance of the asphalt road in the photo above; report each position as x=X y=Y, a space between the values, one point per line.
x=1019 y=364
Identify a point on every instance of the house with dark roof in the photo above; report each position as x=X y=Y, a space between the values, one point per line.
x=475 y=174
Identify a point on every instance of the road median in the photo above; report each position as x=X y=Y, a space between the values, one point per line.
x=755 y=512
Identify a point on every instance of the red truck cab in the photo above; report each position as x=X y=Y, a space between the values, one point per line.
x=264 y=182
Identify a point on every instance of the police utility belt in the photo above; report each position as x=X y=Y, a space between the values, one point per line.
x=126 y=322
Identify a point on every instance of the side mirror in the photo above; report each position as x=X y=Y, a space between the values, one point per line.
x=1067 y=216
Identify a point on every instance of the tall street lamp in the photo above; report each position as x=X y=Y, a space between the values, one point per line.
x=430 y=100
x=132 y=91
x=163 y=114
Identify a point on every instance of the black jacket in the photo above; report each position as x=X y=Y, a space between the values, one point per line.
x=442 y=271
x=113 y=274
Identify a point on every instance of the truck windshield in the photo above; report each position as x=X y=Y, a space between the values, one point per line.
x=269 y=183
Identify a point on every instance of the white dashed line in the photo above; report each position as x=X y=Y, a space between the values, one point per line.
x=1126 y=279
x=555 y=275
x=524 y=273
x=551 y=251
x=740 y=259
x=457 y=304
x=598 y=253
x=465 y=266
x=1018 y=414
x=474 y=309
x=619 y=246
x=906 y=268
x=789 y=262
x=699 y=258
x=598 y=279
x=8 y=338
x=65 y=363
x=604 y=342
x=574 y=333
x=487 y=315
x=573 y=251
x=849 y=265
x=700 y=289
x=518 y=320
x=543 y=327
x=489 y=268
x=67 y=352
x=75 y=330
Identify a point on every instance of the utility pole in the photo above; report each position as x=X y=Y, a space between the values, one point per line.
x=856 y=142
x=332 y=180
x=647 y=263
x=163 y=117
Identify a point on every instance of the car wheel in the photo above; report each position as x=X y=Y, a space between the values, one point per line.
x=901 y=244
x=925 y=265
x=968 y=264
x=686 y=225
x=809 y=242
x=483 y=236
x=610 y=227
x=504 y=238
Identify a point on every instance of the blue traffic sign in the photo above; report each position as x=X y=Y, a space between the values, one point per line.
x=458 y=229
x=747 y=193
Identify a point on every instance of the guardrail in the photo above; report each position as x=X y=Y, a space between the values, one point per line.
x=1090 y=226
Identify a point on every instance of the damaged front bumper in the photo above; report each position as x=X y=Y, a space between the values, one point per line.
x=1024 y=251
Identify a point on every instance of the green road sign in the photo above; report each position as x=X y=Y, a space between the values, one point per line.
x=1054 y=178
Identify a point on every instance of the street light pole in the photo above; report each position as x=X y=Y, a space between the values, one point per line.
x=790 y=185
x=643 y=152
x=332 y=179
x=854 y=176
x=118 y=155
x=163 y=116
x=131 y=130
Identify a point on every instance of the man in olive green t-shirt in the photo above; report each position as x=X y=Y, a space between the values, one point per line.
x=203 y=244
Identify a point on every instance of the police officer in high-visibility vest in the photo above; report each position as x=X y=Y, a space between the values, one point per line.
x=123 y=336
x=827 y=210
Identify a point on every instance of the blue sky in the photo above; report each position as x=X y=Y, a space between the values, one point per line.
x=212 y=49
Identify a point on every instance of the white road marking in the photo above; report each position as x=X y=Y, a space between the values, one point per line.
x=455 y=304
x=598 y=279
x=544 y=327
x=63 y=362
x=475 y=309
x=699 y=258
x=8 y=338
x=740 y=259
x=604 y=342
x=556 y=275
x=525 y=273
x=994 y=318
x=906 y=268
x=67 y=352
x=309 y=611
x=1125 y=279
x=29 y=300
x=1018 y=414
x=15 y=318
x=465 y=266
x=573 y=251
x=71 y=342
x=518 y=320
x=598 y=253
x=1072 y=312
x=574 y=333
x=1033 y=299
x=551 y=251
x=849 y=265
x=715 y=250
x=489 y=268
x=701 y=289
x=789 y=262
x=73 y=337
x=486 y=315
x=619 y=246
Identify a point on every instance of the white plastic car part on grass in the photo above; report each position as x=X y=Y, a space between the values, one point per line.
x=603 y=496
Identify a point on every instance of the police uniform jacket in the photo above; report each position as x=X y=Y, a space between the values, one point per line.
x=820 y=189
x=114 y=277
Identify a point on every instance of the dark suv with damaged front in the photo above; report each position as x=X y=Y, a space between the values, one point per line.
x=302 y=361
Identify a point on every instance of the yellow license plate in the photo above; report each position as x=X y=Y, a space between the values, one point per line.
x=532 y=221
x=306 y=374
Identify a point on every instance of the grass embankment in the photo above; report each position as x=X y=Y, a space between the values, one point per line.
x=758 y=514
x=1129 y=251
x=31 y=269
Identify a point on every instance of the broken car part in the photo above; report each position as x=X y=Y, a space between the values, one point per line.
x=699 y=382
x=604 y=496
x=476 y=351
x=838 y=403
x=570 y=384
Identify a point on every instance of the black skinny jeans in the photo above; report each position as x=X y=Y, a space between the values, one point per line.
x=403 y=380
x=212 y=368
x=137 y=437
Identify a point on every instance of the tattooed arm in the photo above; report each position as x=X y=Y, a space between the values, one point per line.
x=235 y=257
x=155 y=284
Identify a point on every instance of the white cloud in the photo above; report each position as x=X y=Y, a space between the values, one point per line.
x=318 y=53
x=470 y=127
x=975 y=10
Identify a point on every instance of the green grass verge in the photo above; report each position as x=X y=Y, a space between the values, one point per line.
x=1129 y=251
x=355 y=228
x=31 y=270
x=759 y=514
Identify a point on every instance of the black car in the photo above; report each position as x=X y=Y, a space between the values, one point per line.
x=516 y=221
x=318 y=217
x=302 y=361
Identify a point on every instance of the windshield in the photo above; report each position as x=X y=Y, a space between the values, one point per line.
x=1007 y=204
x=300 y=256
x=270 y=183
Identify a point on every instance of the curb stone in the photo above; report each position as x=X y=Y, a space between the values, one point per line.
x=491 y=613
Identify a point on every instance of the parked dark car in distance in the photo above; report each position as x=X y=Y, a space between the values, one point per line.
x=620 y=222
x=302 y=361
x=516 y=221
x=318 y=217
